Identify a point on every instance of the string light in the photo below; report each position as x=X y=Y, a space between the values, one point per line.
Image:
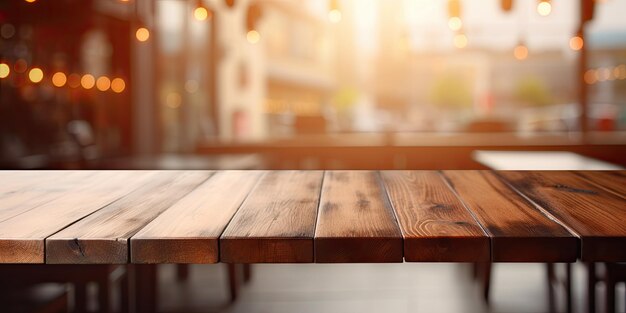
x=103 y=83
x=5 y=70
x=576 y=43
x=35 y=75
x=460 y=41
x=544 y=7
x=590 y=77
x=253 y=36
x=59 y=79
x=520 y=52
x=87 y=81
x=455 y=23
x=142 y=34
x=201 y=13
x=118 y=85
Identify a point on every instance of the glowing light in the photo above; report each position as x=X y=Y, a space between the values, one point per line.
x=73 y=80
x=5 y=70
x=253 y=36
x=35 y=75
x=591 y=77
x=604 y=74
x=142 y=34
x=103 y=83
x=87 y=81
x=191 y=86
x=576 y=43
x=30 y=1
x=201 y=13
x=334 y=16
x=460 y=41
x=118 y=85
x=455 y=23
x=20 y=66
x=544 y=8
x=173 y=100
x=59 y=79
x=520 y=52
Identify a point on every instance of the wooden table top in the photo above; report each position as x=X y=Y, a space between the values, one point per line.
x=111 y=217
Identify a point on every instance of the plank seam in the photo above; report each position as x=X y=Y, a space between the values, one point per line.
x=317 y=215
x=387 y=197
x=486 y=231
x=539 y=208
x=82 y=218
x=130 y=236
x=219 y=237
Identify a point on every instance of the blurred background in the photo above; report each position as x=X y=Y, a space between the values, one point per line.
x=356 y=84
x=321 y=84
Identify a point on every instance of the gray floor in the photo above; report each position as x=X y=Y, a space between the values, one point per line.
x=362 y=288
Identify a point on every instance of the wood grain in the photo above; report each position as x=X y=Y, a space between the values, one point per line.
x=613 y=181
x=22 y=236
x=519 y=231
x=24 y=191
x=355 y=221
x=595 y=214
x=102 y=237
x=189 y=231
x=276 y=223
x=435 y=225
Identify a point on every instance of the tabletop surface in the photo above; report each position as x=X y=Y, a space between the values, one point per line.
x=112 y=217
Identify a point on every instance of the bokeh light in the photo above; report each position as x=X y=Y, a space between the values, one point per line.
x=59 y=79
x=87 y=81
x=103 y=83
x=173 y=100
x=253 y=36
x=544 y=8
x=591 y=77
x=455 y=23
x=142 y=34
x=576 y=43
x=35 y=75
x=460 y=41
x=201 y=13
x=118 y=85
x=520 y=52
x=5 y=70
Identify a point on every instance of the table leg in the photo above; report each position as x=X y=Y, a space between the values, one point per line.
x=247 y=272
x=591 y=287
x=233 y=284
x=145 y=284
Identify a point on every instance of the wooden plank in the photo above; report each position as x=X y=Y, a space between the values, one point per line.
x=189 y=231
x=519 y=231
x=22 y=236
x=355 y=221
x=595 y=214
x=102 y=237
x=276 y=223
x=613 y=181
x=24 y=191
x=435 y=225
